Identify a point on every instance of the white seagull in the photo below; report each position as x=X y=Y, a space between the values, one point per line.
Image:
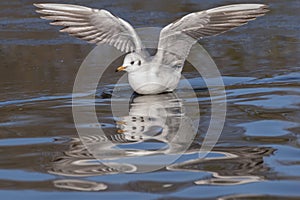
x=149 y=74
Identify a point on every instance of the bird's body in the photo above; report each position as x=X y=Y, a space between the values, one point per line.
x=154 y=77
x=153 y=82
x=161 y=72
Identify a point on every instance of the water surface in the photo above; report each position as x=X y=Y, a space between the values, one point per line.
x=256 y=157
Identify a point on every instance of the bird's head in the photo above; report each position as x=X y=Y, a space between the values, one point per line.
x=132 y=62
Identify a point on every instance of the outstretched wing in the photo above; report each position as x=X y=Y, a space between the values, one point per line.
x=177 y=38
x=93 y=25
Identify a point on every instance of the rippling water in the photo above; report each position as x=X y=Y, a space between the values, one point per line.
x=256 y=157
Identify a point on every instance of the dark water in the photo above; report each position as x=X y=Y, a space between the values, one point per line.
x=256 y=157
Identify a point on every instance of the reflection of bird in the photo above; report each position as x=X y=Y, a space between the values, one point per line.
x=152 y=117
x=161 y=72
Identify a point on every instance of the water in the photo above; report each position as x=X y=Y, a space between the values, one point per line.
x=256 y=157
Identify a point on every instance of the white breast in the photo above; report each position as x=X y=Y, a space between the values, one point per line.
x=153 y=83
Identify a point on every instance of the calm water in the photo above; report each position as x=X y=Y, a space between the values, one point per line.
x=256 y=157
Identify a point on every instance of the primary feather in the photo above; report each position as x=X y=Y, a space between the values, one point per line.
x=93 y=25
x=185 y=32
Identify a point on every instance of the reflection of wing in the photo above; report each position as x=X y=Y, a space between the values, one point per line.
x=177 y=38
x=93 y=25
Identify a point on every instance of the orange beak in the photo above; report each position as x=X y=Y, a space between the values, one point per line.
x=122 y=68
x=120 y=131
x=120 y=122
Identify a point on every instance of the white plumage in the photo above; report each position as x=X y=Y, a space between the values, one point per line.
x=161 y=72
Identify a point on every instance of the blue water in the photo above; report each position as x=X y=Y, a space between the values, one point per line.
x=42 y=156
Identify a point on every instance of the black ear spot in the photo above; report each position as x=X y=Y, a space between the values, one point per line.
x=132 y=62
x=140 y=62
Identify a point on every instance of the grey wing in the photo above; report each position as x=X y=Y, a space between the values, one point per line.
x=177 y=38
x=93 y=25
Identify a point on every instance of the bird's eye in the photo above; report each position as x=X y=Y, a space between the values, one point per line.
x=132 y=62
x=139 y=62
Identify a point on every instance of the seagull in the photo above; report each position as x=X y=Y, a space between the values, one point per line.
x=149 y=74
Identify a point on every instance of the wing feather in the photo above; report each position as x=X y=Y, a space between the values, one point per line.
x=183 y=33
x=92 y=25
